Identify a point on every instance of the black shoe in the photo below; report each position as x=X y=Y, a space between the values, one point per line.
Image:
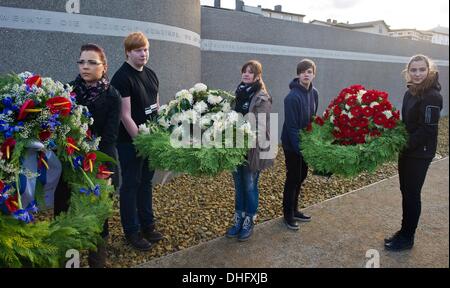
x=291 y=223
x=151 y=235
x=138 y=242
x=97 y=259
x=392 y=238
x=301 y=217
x=400 y=243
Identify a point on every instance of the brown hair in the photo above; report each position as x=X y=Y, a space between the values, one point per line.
x=135 y=40
x=95 y=48
x=256 y=68
x=304 y=65
x=432 y=77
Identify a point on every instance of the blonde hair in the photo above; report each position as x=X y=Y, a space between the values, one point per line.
x=135 y=40
x=257 y=69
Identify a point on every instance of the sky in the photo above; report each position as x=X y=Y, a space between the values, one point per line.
x=398 y=14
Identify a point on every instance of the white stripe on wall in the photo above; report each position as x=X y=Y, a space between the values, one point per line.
x=256 y=48
x=30 y=19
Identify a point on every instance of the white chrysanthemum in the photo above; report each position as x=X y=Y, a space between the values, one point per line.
x=348 y=95
x=200 y=87
x=246 y=127
x=162 y=109
x=163 y=122
x=213 y=100
x=388 y=114
x=201 y=107
x=226 y=107
x=143 y=129
x=218 y=116
x=25 y=75
x=185 y=94
x=332 y=118
x=232 y=117
x=205 y=121
x=191 y=116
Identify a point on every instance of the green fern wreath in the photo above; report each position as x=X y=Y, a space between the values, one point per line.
x=325 y=157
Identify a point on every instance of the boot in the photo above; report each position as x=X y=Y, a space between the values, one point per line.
x=138 y=242
x=151 y=235
x=97 y=259
x=234 y=230
x=400 y=243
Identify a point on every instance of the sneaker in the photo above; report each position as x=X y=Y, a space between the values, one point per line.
x=151 y=235
x=392 y=238
x=234 y=230
x=138 y=242
x=247 y=229
x=301 y=217
x=291 y=223
x=400 y=243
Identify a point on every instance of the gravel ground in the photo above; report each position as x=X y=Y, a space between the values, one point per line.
x=191 y=210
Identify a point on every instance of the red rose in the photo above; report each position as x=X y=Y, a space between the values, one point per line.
x=379 y=119
x=396 y=114
x=44 y=135
x=390 y=124
x=344 y=119
x=337 y=110
x=375 y=133
x=367 y=111
x=386 y=105
x=356 y=111
x=354 y=122
x=319 y=121
x=309 y=127
x=363 y=122
x=352 y=101
x=34 y=80
x=59 y=105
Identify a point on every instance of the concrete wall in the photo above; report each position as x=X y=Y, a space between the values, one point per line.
x=47 y=41
x=54 y=48
x=222 y=69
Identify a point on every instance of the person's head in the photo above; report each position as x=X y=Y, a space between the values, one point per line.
x=92 y=63
x=418 y=69
x=251 y=72
x=306 y=71
x=136 y=49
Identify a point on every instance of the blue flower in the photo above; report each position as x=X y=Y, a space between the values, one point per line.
x=87 y=192
x=78 y=162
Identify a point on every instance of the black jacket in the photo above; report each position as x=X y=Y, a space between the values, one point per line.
x=421 y=114
x=106 y=113
x=299 y=106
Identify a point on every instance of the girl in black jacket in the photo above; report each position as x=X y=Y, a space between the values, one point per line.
x=421 y=109
x=93 y=90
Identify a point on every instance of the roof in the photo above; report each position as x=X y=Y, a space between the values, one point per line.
x=354 y=25
x=282 y=12
x=440 y=30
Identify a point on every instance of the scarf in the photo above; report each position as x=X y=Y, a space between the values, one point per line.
x=88 y=94
x=244 y=93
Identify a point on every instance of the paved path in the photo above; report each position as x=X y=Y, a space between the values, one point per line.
x=342 y=231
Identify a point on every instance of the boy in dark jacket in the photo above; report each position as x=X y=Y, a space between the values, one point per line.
x=299 y=107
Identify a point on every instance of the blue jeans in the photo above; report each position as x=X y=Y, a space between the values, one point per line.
x=136 y=190
x=246 y=185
